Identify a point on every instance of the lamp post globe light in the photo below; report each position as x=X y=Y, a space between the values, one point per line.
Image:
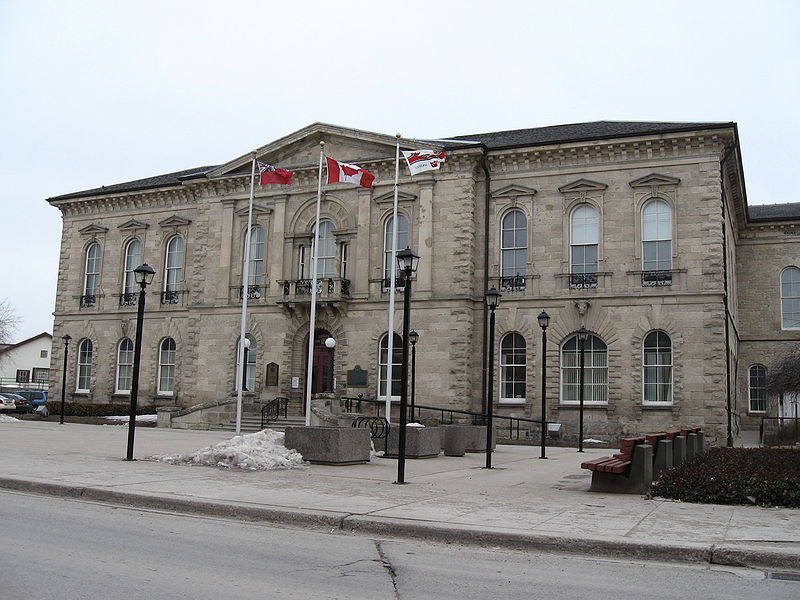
x=583 y=335
x=544 y=322
x=492 y=298
x=330 y=344
x=413 y=337
x=67 y=338
x=407 y=261
x=144 y=276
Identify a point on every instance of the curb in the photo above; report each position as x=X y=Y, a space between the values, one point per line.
x=727 y=554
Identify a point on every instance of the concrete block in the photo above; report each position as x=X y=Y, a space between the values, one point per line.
x=455 y=441
x=691 y=446
x=330 y=445
x=421 y=442
x=663 y=457
x=678 y=450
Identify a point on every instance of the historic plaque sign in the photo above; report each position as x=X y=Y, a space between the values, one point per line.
x=356 y=377
x=272 y=374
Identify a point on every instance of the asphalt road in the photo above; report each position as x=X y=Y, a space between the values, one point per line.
x=54 y=548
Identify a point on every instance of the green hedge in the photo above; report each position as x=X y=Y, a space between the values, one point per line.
x=86 y=409
x=762 y=476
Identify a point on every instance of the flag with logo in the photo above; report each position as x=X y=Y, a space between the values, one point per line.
x=420 y=161
x=347 y=173
x=270 y=174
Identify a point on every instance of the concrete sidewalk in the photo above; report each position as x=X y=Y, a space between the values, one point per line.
x=524 y=502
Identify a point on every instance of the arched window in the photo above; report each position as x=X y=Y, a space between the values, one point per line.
x=84 y=366
x=758 y=389
x=251 y=354
x=173 y=264
x=657 y=368
x=124 y=366
x=166 y=367
x=583 y=249
x=790 y=298
x=512 y=368
x=595 y=371
x=91 y=278
x=326 y=257
x=656 y=236
x=402 y=243
x=397 y=364
x=513 y=245
x=133 y=258
x=255 y=272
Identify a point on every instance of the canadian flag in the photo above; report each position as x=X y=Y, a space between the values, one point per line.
x=343 y=172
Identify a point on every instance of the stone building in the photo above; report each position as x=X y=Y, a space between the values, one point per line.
x=640 y=232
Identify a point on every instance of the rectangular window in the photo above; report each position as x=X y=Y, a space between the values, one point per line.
x=23 y=375
x=40 y=375
x=343 y=263
x=758 y=389
x=43 y=354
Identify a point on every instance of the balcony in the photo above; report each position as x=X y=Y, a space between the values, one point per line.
x=656 y=278
x=582 y=281
x=512 y=283
x=172 y=296
x=254 y=292
x=128 y=299
x=88 y=301
x=330 y=291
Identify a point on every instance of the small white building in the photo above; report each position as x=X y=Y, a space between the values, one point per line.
x=26 y=364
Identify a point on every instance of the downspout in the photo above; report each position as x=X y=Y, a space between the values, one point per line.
x=487 y=203
x=728 y=402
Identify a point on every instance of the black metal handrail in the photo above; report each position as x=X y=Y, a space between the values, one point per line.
x=353 y=404
x=272 y=410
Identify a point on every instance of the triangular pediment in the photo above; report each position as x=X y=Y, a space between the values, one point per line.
x=301 y=149
x=93 y=229
x=133 y=224
x=583 y=185
x=513 y=190
x=654 y=179
x=257 y=210
x=389 y=197
x=174 y=221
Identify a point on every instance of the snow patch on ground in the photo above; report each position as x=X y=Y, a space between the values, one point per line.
x=8 y=419
x=261 y=451
x=591 y=441
x=139 y=418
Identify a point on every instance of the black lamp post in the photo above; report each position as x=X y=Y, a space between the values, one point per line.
x=583 y=335
x=544 y=321
x=67 y=338
x=244 y=363
x=413 y=337
x=144 y=276
x=492 y=298
x=407 y=260
x=330 y=344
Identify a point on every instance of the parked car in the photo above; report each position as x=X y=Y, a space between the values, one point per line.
x=36 y=397
x=23 y=405
x=7 y=403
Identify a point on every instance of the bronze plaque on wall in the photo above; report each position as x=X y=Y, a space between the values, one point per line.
x=272 y=374
x=357 y=377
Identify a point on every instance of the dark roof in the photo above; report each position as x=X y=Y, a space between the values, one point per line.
x=140 y=184
x=774 y=212
x=575 y=132
x=8 y=347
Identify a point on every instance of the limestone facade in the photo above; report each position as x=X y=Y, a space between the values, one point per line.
x=716 y=302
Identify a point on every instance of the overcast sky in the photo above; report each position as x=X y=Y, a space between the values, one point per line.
x=101 y=92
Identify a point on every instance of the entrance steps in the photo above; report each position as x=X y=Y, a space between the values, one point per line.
x=252 y=423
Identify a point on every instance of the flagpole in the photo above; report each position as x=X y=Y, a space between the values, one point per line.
x=313 y=314
x=392 y=280
x=245 y=280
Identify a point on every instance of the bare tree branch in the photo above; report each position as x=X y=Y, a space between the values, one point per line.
x=785 y=375
x=8 y=321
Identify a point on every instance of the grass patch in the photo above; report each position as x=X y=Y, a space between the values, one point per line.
x=761 y=476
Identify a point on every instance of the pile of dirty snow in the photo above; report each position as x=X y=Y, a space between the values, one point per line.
x=261 y=451
x=7 y=419
x=139 y=418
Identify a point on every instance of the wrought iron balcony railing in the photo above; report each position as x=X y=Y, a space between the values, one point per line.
x=88 y=300
x=656 y=278
x=254 y=292
x=582 y=281
x=512 y=283
x=171 y=296
x=128 y=299
x=333 y=288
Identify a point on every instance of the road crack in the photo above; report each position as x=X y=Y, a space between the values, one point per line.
x=387 y=564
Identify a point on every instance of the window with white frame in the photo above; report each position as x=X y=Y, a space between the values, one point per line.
x=402 y=244
x=166 y=366
x=657 y=368
x=656 y=235
x=584 y=239
x=790 y=298
x=344 y=250
x=383 y=364
x=512 y=368
x=514 y=244
x=595 y=371
x=302 y=272
x=758 y=389
x=326 y=253
x=251 y=354
x=173 y=264
x=91 y=279
x=84 y=379
x=124 y=366
x=133 y=258
x=255 y=272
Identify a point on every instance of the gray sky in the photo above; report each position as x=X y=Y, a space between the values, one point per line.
x=98 y=92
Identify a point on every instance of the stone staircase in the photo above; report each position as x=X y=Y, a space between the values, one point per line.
x=251 y=423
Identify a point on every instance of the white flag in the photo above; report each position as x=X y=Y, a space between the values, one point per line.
x=423 y=160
